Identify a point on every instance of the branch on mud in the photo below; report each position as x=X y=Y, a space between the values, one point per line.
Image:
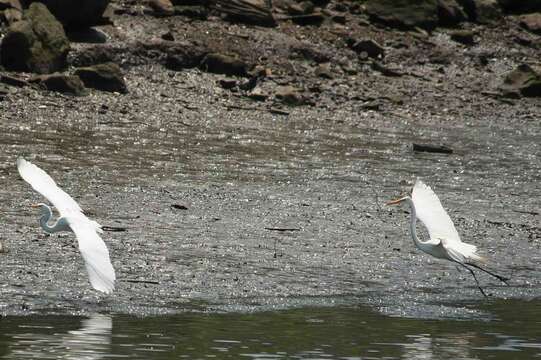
x=141 y=281
x=282 y=229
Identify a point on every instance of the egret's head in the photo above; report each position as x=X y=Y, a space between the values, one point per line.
x=399 y=200
x=44 y=208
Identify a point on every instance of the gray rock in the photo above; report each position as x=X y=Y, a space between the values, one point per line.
x=224 y=64
x=488 y=11
x=324 y=71
x=300 y=8
x=289 y=95
x=161 y=7
x=482 y=11
x=369 y=46
x=37 y=43
x=228 y=83
x=258 y=94
x=531 y=22
x=462 y=36
x=76 y=14
x=525 y=80
x=404 y=13
x=105 y=77
x=450 y=13
x=66 y=84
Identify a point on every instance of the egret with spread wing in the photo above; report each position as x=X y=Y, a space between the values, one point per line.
x=92 y=248
x=444 y=242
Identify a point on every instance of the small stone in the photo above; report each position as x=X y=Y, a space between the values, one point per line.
x=258 y=94
x=168 y=36
x=289 y=95
x=224 y=64
x=105 y=77
x=525 y=80
x=300 y=8
x=162 y=7
x=228 y=83
x=371 y=47
x=324 y=71
x=315 y=18
x=67 y=84
x=462 y=36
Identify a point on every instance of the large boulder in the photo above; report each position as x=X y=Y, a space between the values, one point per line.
x=76 y=13
x=404 y=13
x=37 y=43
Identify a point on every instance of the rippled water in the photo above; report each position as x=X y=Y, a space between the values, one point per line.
x=503 y=330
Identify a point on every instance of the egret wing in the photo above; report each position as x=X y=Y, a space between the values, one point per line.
x=430 y=211
x=45 y=185
x=95 y=254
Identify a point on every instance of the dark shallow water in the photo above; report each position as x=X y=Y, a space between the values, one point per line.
x=501 y=330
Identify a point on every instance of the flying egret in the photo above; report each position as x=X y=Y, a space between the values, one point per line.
x=92 y=248
x=444 y=242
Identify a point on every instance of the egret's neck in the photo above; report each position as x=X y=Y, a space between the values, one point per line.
x=46 y=215
x=413 y=222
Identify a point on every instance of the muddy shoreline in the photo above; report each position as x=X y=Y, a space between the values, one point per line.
x=231 y=207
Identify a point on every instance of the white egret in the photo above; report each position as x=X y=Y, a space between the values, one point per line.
x=444 y=242
x=92 y=248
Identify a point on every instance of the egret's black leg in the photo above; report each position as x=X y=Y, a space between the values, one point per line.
x=499 y=277
x=475 y=277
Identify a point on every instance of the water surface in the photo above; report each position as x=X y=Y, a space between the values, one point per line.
x=496 y=330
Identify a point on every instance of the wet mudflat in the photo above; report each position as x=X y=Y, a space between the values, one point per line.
x=239 y=211
x=497 y=332
x=249 y=231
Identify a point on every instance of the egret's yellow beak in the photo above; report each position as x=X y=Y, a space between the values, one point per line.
x=397 y=201
x=34 y=205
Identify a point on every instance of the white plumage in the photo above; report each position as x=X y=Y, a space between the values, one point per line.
x=444 y=241
x=440 y=227
x=92 y=248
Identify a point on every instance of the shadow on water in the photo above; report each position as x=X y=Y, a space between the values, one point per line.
x=308 y=333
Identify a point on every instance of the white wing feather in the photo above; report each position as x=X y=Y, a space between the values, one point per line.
x=45 y=185
x=95 y=254
x=430 y=211
x=91 y=246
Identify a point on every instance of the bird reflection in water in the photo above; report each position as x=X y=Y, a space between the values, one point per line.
x=92 y=341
